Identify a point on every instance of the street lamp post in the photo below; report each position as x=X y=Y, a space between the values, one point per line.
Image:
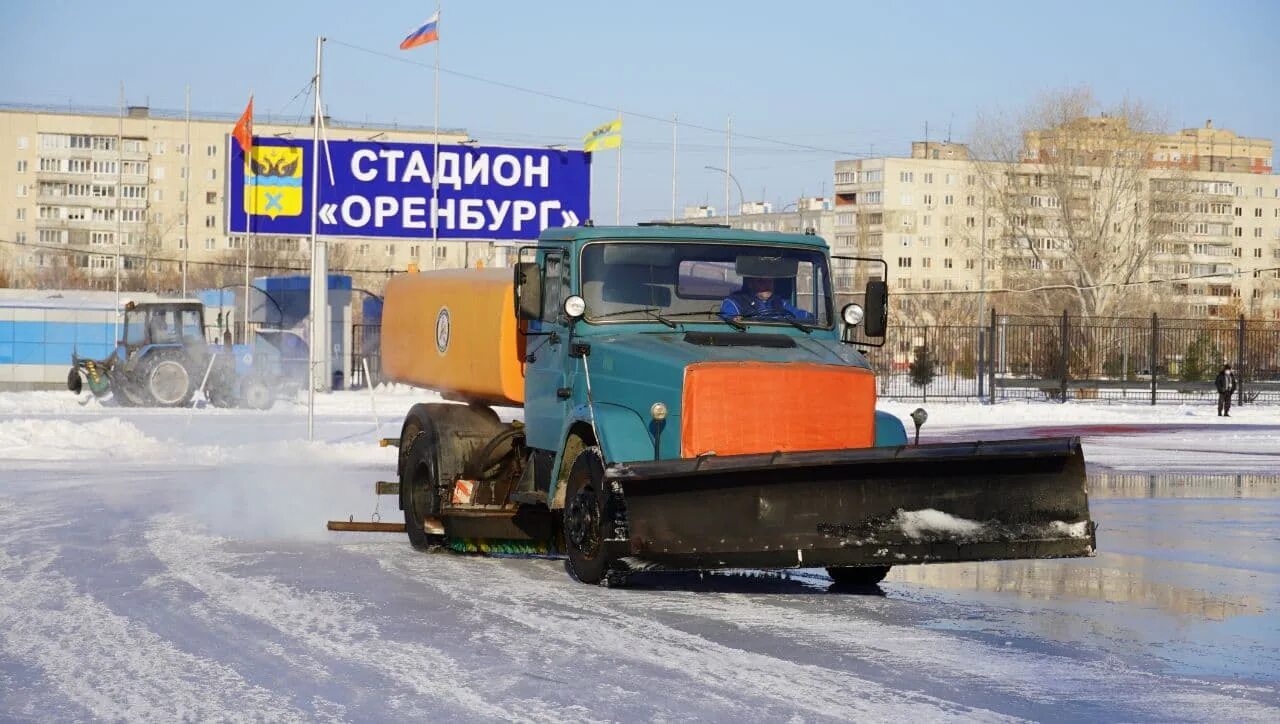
x=741 y=198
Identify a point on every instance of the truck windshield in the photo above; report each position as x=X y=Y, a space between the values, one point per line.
x=705 y=282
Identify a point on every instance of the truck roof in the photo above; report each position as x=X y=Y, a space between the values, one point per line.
x=660 y=232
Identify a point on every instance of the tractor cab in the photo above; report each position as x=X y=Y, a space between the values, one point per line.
x=161 y=324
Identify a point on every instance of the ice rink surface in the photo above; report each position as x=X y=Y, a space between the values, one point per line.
x=162 y=565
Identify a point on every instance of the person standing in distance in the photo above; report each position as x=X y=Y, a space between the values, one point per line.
x=1225 y=383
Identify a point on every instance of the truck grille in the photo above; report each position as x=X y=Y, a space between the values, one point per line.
x=736 y=408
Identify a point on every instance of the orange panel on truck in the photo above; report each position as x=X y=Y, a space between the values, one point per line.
x=737 y=408
x=454 y=331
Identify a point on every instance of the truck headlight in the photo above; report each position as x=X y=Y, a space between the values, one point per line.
x=658 y=411
x=574 y=307
x=852 y=314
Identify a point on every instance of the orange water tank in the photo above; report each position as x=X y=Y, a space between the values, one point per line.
x=454 y=331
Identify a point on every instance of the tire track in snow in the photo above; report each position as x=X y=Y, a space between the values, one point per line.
x=1037 y=677
x=330 y=625
x=585 y=618
x=114 y=668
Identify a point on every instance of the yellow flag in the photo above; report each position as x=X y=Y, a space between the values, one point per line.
x=603 y=138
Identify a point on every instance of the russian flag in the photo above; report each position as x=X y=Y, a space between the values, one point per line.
x=428 y=32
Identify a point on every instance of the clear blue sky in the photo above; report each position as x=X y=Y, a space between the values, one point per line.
x=840 y=76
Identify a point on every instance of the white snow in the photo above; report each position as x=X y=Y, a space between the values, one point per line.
x=918 y=524
x=173 y=564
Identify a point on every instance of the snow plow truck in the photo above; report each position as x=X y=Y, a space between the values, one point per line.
x=661 y=431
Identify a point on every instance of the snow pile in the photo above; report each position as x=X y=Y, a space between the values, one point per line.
x=60 y=440
x=918 y=524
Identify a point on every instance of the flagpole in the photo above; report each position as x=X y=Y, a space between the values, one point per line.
x=618 y=202
x=728 y=135
x=119 y=189
x=675 y=128
x=186 y=195
x=435 y=154
x=248 y=238
x=316 y=251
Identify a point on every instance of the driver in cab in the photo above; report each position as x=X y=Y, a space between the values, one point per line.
x=756 y=300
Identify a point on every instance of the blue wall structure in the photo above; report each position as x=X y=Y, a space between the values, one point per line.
x=40 y=331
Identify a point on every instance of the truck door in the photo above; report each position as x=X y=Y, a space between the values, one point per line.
x=547 y=396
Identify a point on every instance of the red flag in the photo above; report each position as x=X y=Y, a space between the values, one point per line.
x=243 y=132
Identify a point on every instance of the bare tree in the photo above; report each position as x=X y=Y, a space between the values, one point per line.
x=1070 y=183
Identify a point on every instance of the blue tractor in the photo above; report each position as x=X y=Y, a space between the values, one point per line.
x=163 y=359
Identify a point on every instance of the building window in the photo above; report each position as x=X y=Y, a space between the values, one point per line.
x=1257 y=232
x=413 y=251
x=906 y=199
x=904 y=262
x=928 y=178
x=928 y=199
x=391 y=249
x=1256 y=212
x=159 y=195
x=210 y=244
x=22 y=214
x=946 y=263
x=210 y=221
x=22 y=143
x=22 y=190
x=212 y=175
x=211 y=197
x=22 y=168
x=211 y=150
x=926 y=262
x=906 y=177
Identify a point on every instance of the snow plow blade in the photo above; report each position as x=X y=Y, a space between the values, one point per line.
x=868 y=507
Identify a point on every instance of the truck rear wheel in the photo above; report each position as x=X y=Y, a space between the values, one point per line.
x=420 y=491
x=858 y=575
x=591 y=513
x=444 y=437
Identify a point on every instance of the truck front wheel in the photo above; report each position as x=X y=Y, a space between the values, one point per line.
x=591 y=518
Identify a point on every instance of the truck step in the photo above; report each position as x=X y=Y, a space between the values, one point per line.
x=386 y=487
x=389 y=442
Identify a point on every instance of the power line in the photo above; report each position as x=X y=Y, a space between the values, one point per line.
x=589 y=104
x=167 y=260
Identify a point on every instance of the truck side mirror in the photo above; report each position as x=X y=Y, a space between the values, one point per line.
x=876 y=304
x=528 y=291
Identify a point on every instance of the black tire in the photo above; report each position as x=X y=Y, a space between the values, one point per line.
x=420 y=490
x=858 y=575
x=436 y=450
x=256 y=395
x=591 y=515
x=220 y=389
x=167 y=381
x=74 y=382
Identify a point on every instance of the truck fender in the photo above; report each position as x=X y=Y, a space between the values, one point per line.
x=624 y=436
x=890 y=432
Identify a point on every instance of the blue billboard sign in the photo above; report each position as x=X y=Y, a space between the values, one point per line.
x=374 y=189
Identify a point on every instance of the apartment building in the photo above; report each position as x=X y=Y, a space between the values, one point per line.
x=76 y=186
x=943 y=221
x=926 y=216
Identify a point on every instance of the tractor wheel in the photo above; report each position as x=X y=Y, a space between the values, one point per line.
x=127 y=392
x=167 y=380
x=220 y=389
x=591 y=515
x=256 y=394
x=858 y=575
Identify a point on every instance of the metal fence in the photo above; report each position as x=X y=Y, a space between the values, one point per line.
x=1063 y=357
x=366 y=346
